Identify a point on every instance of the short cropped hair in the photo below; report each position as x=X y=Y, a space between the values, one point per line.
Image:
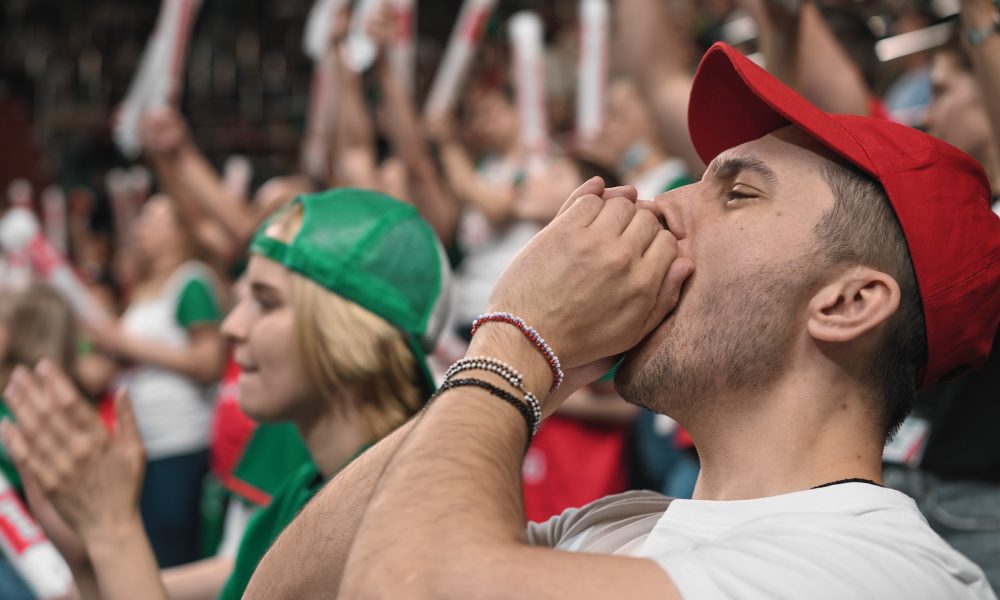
x=862 y=228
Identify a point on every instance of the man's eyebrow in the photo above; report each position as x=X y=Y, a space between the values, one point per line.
x=729 y=166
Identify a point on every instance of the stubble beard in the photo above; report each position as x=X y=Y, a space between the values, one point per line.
x=737 y=337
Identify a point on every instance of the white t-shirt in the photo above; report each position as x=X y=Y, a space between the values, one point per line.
x=848 y=541
x=173 y=412
x=488 y=250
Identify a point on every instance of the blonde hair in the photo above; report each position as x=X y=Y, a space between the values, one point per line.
x=344 y=347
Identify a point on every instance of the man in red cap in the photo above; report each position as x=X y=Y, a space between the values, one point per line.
x=784 y=309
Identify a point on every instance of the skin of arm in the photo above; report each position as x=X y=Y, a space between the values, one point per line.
x=466 y=456
x=406 y=137
x=202 y=359
x=979 y=14
x=207 y=234
x=446 y=520
x=221 y=224
x=657 y=53
x=307 y=560
x=354 y=136
x=496 y=202
x=201 y=580
x=801 y=50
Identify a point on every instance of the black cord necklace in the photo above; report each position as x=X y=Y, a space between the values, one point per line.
x=851 y=480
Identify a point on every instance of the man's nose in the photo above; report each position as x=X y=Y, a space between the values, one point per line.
x=671 y=208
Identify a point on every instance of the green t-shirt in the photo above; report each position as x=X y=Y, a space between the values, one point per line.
x=265 y=526
x=275 y=451
x=197 y=304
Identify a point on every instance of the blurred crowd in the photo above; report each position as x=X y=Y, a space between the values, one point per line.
x=271 y=313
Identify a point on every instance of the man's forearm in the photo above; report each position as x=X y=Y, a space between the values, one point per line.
x=451 y=494
x=307 y=560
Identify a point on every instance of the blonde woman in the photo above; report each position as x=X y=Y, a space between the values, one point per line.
x=348 y=292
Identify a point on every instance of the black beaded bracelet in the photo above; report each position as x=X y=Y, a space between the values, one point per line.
x=529 y=417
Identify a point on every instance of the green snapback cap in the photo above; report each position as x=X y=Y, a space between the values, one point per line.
x=375 y=251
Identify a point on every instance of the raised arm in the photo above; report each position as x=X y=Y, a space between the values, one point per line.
x=202 y=359
x=353 y=151
x=446 y=520
x=983 y=15
x=223 y=223
x=406 y=137
x=658 y=54
x=495 y=201
x=800 y=49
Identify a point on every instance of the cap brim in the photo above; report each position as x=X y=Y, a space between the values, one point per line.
x=734 y=101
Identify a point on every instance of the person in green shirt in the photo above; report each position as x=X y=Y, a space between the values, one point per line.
x=348 y=294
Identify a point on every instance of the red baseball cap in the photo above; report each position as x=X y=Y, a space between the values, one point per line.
x=940 y=195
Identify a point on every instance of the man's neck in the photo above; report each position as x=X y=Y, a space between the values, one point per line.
x=789 y=439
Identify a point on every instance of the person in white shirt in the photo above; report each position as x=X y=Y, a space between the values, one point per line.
x=784 y=310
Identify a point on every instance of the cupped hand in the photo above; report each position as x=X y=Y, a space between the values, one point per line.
x=91 y=478
x=598 y=279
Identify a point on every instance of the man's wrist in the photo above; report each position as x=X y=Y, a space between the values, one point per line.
x=507 y=343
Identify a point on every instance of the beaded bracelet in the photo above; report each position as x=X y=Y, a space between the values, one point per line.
x=501 y=369
x=533 y=337
x=526 y=412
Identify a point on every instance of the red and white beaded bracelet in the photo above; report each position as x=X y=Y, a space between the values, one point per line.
x=532 y=335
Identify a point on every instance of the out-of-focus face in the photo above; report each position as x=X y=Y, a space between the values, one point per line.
x=272 y=383
x=626 y=117
x=157 y=230
x=491 y=122
x=748 y=227
x=278 y=191
x=957 y=114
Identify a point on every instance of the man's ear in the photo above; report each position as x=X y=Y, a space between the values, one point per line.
x=854 y=303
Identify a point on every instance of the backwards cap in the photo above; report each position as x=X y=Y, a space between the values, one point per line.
x=376 y=252
x=940 y=195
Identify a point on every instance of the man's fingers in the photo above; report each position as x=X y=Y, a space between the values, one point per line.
x=670 y=290
x=583 y=211
x=616 y=215
x=621 y=191
x=642 y=230
x=592 y=187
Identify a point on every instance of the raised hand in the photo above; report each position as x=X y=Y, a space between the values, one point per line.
x=162 y=131
x=598 y=279
x=91 y=478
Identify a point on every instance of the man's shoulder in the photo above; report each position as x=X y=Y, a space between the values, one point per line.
x=607 y=526
x=861 y=541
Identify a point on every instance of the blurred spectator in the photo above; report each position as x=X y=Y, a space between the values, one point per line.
x=168 y=336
